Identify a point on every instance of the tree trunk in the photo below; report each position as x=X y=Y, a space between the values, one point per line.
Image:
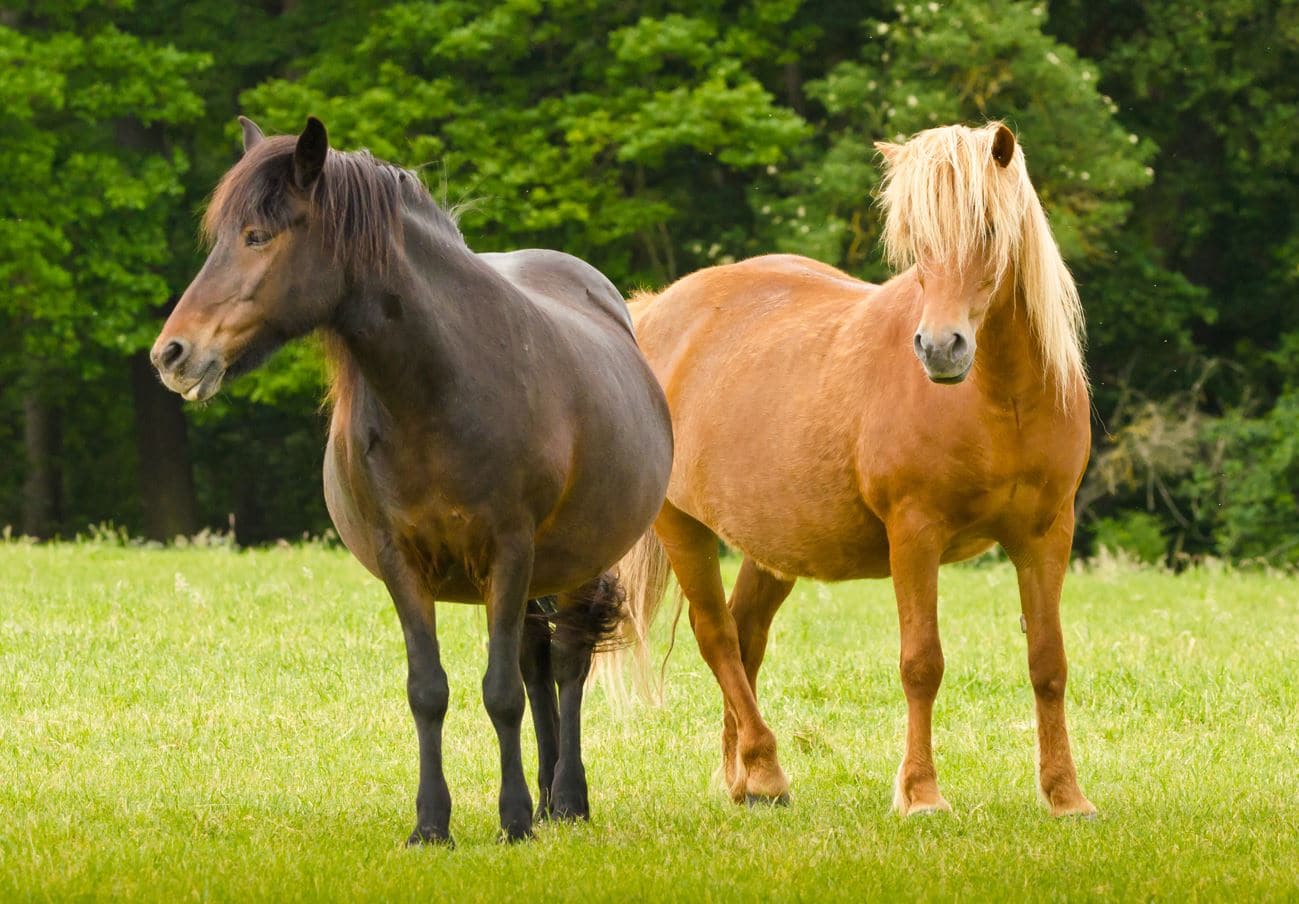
x=43 y=482
x=162 y=451
x=794 y=88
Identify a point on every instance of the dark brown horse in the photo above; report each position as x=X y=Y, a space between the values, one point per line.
x=496 y=435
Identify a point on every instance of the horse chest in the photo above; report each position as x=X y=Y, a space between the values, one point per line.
x=1030 y=468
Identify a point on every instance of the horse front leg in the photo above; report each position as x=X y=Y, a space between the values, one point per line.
x=1041 y=564
x=506 y=598
x=914 y=561
x=427 y=691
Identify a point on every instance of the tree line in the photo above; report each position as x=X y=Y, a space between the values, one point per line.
x=652 y=139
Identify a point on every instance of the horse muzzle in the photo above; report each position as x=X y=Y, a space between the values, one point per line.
x=946 y=356
x=195 y=376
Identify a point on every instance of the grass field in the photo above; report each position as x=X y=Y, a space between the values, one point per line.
x=212 y=725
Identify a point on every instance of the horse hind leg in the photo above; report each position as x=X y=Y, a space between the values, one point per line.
x=755 y=599
x=539 y=682
x=586 y=618
x=692 y=550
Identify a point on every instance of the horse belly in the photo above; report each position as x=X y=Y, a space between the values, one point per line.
x=617 y=489
x=799 y=524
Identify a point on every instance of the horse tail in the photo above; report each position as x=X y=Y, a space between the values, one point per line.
x=644 y=573
x=589 y=617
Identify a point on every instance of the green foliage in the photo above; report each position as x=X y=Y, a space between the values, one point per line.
x=1137 y=534
x=85 y=197
x=625 y=140
x=1212 y=83
x=1251 y=485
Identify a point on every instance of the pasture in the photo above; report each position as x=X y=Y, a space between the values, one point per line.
x=203 y=724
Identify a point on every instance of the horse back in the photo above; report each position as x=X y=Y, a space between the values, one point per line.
x=561 y=279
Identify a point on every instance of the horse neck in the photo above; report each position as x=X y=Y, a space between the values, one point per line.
x=1009 y=362
x=410 y=333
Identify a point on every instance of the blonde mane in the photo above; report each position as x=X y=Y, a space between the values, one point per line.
x=946 y=198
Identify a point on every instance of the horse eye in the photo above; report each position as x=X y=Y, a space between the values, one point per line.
x=255 y=237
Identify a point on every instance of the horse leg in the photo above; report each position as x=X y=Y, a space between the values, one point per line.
x=426 y=689
x=1041 y=568
x=586 y=616
x=539 y=681
x=914 y=565
x=507 y=589
x=754 y=600
x=692 y=549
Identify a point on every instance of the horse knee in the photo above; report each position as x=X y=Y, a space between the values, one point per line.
x=922 y=673
x=428 y=694
x=503 y=697
x=1048 y=682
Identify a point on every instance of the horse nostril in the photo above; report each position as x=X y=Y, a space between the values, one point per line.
x=919 y=343
x=958 y=345
x=173 y=353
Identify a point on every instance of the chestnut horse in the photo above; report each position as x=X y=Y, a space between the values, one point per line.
x=496 y=435
x=809 y=438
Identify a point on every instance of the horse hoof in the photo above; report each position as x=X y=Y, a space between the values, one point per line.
x=1070 y=805
x=429 y=838
x=761 y=800
x=514 y=834
x=571 y=810
x=928 y=810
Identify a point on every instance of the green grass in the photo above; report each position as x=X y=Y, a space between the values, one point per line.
x=204 y=724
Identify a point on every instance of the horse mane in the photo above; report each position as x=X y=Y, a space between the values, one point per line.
x=357 y=202
x=945 y=198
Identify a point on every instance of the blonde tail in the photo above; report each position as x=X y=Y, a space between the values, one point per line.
x=644 y=573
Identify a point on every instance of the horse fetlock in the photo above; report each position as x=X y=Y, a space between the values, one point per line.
x=516 y=819
x=758 y=776
x=1065 y=798
x=569 y=793
x=915 y=791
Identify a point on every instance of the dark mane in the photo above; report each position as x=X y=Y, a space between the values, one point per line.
x=356 y=203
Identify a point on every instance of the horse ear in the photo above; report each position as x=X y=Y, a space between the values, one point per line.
x=252 y=134
x=1003 y=146
x=888 y=150
x=309 y=155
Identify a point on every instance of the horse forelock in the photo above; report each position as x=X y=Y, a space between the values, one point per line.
x=946 y=199
x=355 y=203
